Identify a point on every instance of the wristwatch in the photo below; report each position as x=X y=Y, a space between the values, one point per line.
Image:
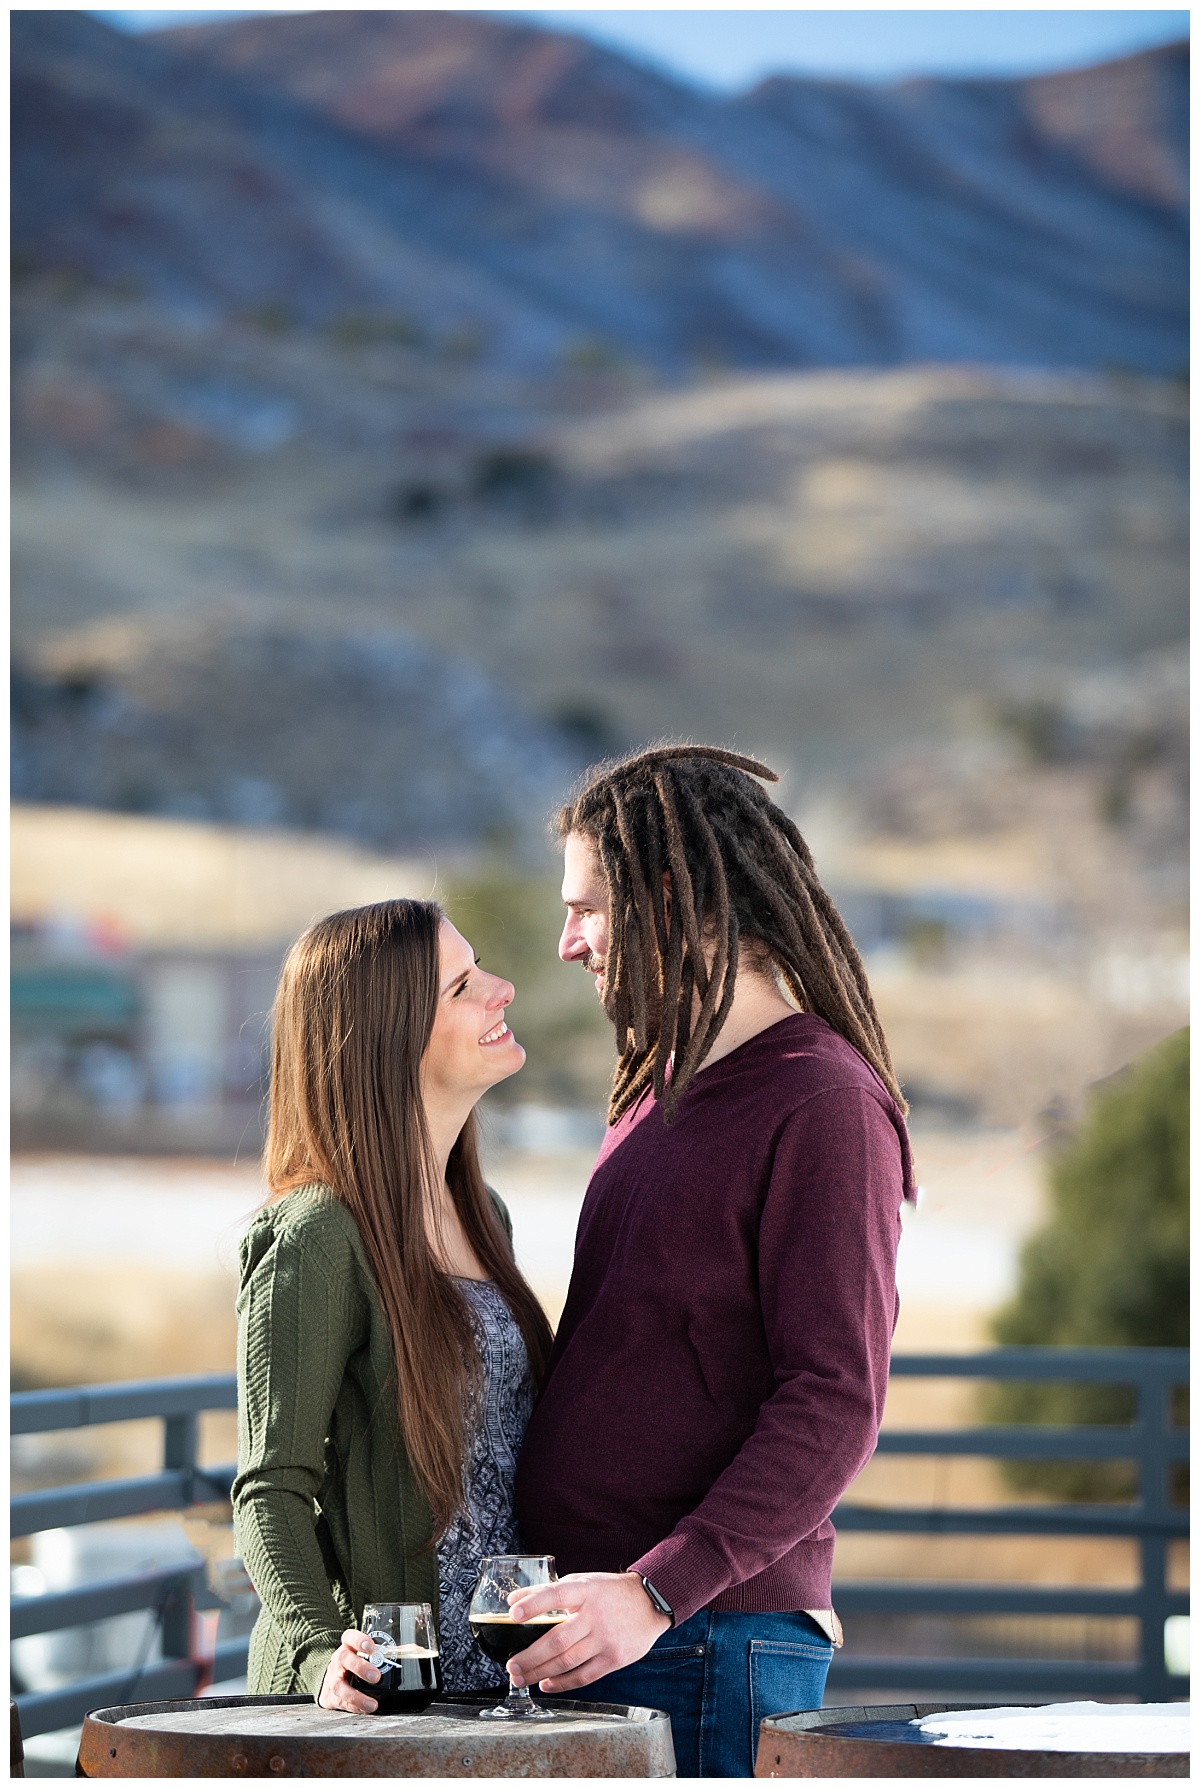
x=660 y=1602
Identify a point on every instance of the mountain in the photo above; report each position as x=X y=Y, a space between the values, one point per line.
x=539 y=200
x=137 y=174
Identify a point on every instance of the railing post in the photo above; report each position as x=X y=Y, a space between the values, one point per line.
x=1154 y=1488
x=179 y=1454
x=180 y=1442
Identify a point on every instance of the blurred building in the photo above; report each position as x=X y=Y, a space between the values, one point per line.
x=144 y=958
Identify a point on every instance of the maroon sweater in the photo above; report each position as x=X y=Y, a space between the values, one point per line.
x=720 y=1368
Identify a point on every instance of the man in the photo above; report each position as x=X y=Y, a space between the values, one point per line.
x=719 y=1373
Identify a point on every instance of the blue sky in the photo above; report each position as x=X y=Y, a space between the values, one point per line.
x=731 y=49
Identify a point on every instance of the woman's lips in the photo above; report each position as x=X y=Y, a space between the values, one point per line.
x=497 y=1034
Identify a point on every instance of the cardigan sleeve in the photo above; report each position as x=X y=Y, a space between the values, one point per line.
x=501 y=1210
x=299 y=1321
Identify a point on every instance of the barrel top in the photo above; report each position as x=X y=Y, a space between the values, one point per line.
x=883 y=1741
x=1081 y=1728
x=310 y=1721
x=289 y=1735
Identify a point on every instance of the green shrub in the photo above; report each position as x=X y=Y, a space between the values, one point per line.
x=1110 y=1267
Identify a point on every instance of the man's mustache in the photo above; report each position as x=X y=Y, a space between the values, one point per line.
x=592 y=965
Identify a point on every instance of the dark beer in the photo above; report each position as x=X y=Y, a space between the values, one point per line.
x=502 y=1637
x=409 y=1678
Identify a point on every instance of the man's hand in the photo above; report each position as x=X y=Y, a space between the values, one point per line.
x=352 y=1656
x=612 y=1622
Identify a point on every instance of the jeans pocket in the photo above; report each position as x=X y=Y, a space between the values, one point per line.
x=665 y=1660
x=786 y=1676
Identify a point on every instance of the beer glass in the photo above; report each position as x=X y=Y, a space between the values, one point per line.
x=499 y=1636
x=404 y=1650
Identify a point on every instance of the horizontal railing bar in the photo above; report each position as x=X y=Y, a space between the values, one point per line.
x=1113 y=1365
x=212 y=1483
x=98 y=1601
x=175 y=1679
x=1030 y=1442
x=989 y=1598
x=989 y=1676
x=73 y=1505
x=33 y=1412
x=83 y=1406
x=49 y=1710
x=1018 y=1518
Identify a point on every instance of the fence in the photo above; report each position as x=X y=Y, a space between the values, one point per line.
x=173 y=1593
x=1152 y=1521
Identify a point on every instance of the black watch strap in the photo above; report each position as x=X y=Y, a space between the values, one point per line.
x=660 y=1602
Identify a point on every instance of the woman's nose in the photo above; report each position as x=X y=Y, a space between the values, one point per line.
x=503 y=994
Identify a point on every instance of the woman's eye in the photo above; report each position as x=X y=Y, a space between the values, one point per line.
x=462 y=986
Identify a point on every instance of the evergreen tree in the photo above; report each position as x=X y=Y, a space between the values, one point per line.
x=1110 y=1267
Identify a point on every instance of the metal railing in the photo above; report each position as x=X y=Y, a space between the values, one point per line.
x=173 y=1593
x=1151 y=1521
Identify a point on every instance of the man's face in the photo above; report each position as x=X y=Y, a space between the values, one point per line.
x=585 y=896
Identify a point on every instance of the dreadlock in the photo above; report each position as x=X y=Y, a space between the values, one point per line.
x=739 y=872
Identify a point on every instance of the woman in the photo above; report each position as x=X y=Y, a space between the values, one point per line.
x=387 y=1344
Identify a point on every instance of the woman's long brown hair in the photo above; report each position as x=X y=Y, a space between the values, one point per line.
x=352 y=1019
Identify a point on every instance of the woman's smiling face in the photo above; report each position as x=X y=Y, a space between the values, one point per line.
x=470 y=1047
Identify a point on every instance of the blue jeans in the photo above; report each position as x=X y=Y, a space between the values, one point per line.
x=718 y=1675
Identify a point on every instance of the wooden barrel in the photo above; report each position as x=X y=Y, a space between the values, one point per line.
x=288 y=1735
x=879 y=1741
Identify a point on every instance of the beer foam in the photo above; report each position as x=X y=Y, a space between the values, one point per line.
x=550 y=1619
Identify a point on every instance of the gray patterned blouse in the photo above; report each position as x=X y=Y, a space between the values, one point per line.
x=486 y=1522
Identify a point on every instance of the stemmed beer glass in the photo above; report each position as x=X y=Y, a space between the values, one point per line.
x=499 y=1636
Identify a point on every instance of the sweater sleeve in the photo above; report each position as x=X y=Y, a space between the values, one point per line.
x=827 y=1286
x=298 y=1324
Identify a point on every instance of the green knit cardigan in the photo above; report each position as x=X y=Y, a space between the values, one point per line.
x=327 y=1510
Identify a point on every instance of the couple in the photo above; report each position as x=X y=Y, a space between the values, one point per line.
x=719 y=1372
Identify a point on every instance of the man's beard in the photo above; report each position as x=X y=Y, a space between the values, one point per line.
x=594 y=965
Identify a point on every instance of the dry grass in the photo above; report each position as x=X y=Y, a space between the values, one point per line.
x=74 y=1325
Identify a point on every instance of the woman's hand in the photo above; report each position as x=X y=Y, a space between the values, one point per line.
x=351 y=1655
x=612 y=1622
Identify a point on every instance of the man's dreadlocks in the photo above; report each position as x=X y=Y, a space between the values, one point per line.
x=736 y=869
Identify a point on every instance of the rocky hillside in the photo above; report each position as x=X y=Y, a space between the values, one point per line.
x=526 y=197
x=828 y=568
x=370 y=734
